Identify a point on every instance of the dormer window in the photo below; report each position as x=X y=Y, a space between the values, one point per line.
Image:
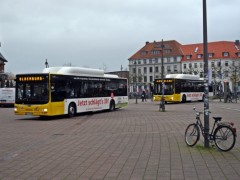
x=199 y=56
x=238 y=54
x=167 y=50
x=188 y=56
x=143 y=52
x=225 y=54
x=210 y=55
x=155 y=52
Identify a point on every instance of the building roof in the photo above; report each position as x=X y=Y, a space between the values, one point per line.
x=154 y=50
x=2 y=58
x=195 y=51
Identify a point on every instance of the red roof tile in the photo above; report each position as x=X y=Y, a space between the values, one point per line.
x=216 y=48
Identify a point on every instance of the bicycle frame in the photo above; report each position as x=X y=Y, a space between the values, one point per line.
x=199 y=123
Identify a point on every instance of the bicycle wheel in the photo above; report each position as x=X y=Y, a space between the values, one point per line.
x=224 y=138
x=192 y=134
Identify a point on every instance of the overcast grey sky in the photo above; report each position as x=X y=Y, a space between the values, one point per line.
x=104 y=33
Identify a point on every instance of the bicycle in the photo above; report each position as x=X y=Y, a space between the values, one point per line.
x=222 y=133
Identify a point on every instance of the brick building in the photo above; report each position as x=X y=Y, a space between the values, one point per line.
x=223 y=56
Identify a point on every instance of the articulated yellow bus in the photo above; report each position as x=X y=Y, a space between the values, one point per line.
x=68 y=90
x=179 y=88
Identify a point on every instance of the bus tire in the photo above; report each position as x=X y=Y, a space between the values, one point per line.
x=112 y=106
x=184 y=99
x=71 y=110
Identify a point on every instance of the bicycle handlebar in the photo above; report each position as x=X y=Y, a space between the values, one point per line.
x=200 y=112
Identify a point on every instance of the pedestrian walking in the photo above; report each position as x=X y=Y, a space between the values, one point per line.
x=143 y=96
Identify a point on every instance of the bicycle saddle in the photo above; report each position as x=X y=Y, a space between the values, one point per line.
x=217 y=118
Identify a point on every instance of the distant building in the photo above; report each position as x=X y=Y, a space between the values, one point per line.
x=124 y=74
x=3 y=76
x=223 y=62
x=223 y=56
x=145 y=64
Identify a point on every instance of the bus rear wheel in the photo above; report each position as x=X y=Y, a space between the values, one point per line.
x=71 y=110
x=112 y=106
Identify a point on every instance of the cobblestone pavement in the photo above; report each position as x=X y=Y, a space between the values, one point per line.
x=136 y=142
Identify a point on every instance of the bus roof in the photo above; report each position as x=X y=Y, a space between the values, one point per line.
x=183 y=76
x=77 y=71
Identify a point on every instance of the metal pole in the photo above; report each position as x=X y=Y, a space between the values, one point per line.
x=206 y=90
x=136 y=79
x=162 y=103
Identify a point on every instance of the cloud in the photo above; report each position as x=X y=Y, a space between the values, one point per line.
x=93 y=33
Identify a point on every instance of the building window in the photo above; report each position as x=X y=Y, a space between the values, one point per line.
x=213 y=74
x=168 y=69
x=195 y=65
x=143 y=52
x=139 y=79
x=212 y=64
x=156 y=69
x=201 y=74
x=188 y=56
x=145 y=78
x=190 y=65
x=139 y=61
x=199 y=56
x=150 y=69
x=168 y=60
x=175 y=59
x=145 y=70
x=150 y=61
x=134 y=70
x=184 y=66
x=226 y=63
x=167 y=51
x=151 y=78
x=210 y=55
x=139 y=71
x=226 y=73
x=144 y=61
x=175 y=68
x=155 y=52
x=201 y=65
x=156 y=60
x=225 y=54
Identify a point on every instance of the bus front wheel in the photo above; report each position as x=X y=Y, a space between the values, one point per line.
x=71 y=110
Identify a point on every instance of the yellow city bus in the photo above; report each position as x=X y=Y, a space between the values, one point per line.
x=179 y=88
x=68 y=90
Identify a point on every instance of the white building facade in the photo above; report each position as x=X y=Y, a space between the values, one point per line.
x=223 y=62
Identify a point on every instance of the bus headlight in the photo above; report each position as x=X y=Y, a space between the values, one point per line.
x=45 y=110
x=15 y=109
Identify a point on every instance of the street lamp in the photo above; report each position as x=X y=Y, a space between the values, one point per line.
x=135 y=63
x=162 y=103
x=46 y=64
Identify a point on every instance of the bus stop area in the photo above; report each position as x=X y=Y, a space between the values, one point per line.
x=136 y=142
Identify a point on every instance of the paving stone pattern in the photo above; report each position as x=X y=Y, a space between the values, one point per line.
x=136 y=142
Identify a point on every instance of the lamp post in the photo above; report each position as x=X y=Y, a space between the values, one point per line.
x=206 y=89
x=162 y=103
x=135 y=63
x=46 y=64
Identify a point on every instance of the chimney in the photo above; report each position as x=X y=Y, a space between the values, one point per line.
x=147 y=42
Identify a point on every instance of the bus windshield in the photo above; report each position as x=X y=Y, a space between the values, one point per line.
x=32 y=92
x=168 y=88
